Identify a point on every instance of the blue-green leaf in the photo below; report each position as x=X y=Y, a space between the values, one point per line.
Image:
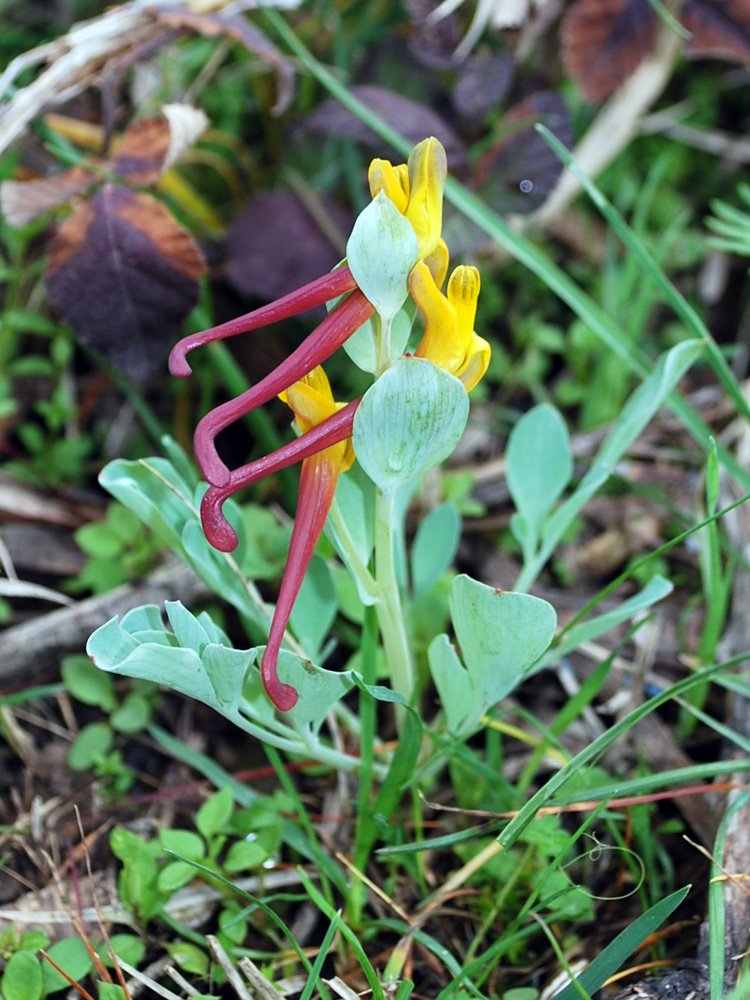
x=381 y=252
x=501 y=635
x=409 y=421
x=434 y=547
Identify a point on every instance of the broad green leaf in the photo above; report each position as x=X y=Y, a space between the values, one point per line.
x=315 y=608
x=86 y=683
x=111 y=991
x=434 y=547
x=501 y=635
x=90 y=746
x=381 y=252
x=539 y=465
x=22 y=979
x=173 y=876
x=408 y=422
x=454 y=686
x=128 y=947
x=72 y=956
x=215 y=813
x=189 y=957
x=184 y=842
x=132 y=716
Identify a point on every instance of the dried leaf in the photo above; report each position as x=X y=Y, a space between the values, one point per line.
x=483 y=81
x=238 y=27
x=275 y=245
x=414 y=121
x=124 y=274
x=604 y=41
x=150 y=146
x=23 y=201
x=519 y=172
x=719 y=28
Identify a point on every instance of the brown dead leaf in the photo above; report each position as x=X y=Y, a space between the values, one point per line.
x=23 y=201
x=719 y=28
x=604 y=41
x=149 y=147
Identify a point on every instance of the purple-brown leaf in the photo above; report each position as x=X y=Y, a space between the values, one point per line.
x=483 y=81
x=414 y=121
x=604 y=41
x=275 y=246
x=124 y=274
x=518 y=173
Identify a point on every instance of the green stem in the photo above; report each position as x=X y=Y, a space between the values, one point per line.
x=384 y=344
x=368 y=736
x=389 y=609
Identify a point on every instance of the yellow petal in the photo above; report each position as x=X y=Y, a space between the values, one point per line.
x=310 y=399
x=463 y=292
x=440 y=343
x=383 y=176
x=438 y=262
x=475 y=363
x=428 y=169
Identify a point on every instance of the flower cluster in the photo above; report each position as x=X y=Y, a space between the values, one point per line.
x=324 y=445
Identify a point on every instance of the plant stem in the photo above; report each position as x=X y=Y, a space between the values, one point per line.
x=389 y=609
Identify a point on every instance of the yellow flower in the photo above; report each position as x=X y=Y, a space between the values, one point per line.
x=449 y=339
x=416 y=189
x=311 y=401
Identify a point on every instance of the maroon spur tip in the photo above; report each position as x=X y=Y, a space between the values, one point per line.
x=216 y=527
x=284 y=696
x=334 y=331
x=315 y=293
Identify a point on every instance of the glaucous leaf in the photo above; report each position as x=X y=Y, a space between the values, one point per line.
x=455 y=687
x=539 y=465
x=501 y=635
x=381 y=252
x=434 y=547
x=409 y=421
x=315 y=608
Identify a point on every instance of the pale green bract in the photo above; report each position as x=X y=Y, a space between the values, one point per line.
x=409 y=421
x=381 y=252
